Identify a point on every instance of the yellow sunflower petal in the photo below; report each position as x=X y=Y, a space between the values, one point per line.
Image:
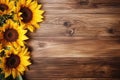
x=7 y=73
x=14 y=73
x=21 y=69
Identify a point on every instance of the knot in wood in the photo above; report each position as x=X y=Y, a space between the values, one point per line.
x=84 y=2
x=42 y=44
x=67 y=24
x=111 y=31
x=70 y=32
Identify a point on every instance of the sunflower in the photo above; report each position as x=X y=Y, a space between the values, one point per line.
x=31 y=14
x=15 y=62
x=13 y=34
x=6 y=6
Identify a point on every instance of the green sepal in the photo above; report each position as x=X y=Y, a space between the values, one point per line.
x=19 y=78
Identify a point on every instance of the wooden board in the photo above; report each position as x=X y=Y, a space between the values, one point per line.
x=83 y=25
x=74 y=47
x=67 y=67
x=81 y=6
x=78 y=40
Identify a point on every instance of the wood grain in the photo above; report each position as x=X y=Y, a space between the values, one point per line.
x=76 y=78
x=81 y=6
x=74 y=47
x=83 y=67
x=78 y=40
x=85 y=25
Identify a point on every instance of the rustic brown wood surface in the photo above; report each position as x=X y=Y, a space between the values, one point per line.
x=78 y=40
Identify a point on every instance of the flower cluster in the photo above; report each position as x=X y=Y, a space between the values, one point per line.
x=17 y=17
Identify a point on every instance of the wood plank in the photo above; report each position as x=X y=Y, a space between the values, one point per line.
x=74 y=47
x=81 y=6
x=75 y=79
x=74 y=1
x=84 y=25
x=75 y=68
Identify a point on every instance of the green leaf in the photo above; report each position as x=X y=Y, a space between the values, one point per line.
x=2 y=77
x=19 y=78
x=5 y=17
x=7 y=48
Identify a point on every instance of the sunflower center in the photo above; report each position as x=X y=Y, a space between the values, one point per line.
x=13 y=61
x=11 y=35
x=26 y=14
x=3 y=7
